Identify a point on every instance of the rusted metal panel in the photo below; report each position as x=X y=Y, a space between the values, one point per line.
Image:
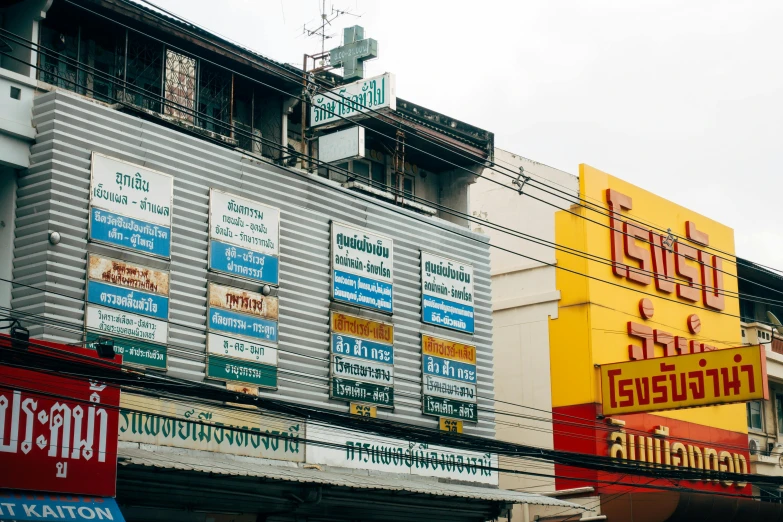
x=128 y=275
x=243 y=301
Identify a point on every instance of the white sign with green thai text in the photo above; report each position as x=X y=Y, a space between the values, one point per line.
x=371 y=452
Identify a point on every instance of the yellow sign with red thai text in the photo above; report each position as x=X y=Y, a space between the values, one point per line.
x=363 y=328
x=453 y=350
x=685 y=381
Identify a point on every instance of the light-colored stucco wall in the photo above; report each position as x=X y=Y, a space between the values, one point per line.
x=524 y=297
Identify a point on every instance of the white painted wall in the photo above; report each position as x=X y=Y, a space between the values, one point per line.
x=524 y=297
x=7 y=211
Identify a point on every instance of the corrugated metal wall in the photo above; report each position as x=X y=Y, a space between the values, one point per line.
x=53 y=195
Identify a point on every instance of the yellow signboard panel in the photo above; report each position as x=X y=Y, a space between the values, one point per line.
x=699 y=379
x=453 y=350
x=363 y=328
x=656 y=281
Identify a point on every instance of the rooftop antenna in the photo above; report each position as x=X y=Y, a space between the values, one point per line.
x=321 y=29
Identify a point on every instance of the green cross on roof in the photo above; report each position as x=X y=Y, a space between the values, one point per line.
x=354 y=51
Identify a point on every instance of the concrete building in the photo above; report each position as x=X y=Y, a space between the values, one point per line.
x=554 y=327
x=151 y=197
x=761 y=291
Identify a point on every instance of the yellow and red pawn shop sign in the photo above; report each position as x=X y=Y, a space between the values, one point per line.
x=57 y=434
x=699 y=379
x=658 y=304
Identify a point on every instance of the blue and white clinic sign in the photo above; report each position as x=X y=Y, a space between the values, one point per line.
x=130 y=206
x=447 y=293
x=362 y=268
x=244 y=238
x=35 y=506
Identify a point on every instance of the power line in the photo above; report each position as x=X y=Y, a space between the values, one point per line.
x=557 y=418
x=372 y=113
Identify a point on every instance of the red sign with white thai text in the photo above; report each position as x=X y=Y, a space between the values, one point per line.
x=65 y=442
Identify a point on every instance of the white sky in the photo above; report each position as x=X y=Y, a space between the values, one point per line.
x=684 y=99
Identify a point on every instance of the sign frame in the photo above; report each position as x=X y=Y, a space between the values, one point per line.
x=669 y=364
x=90 y=206
x=94 y=331
x=458 y=382
x=472 y=330
x=210 y=239
x=334 y=269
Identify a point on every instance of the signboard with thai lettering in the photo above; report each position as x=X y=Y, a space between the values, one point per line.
x=362 y=268
x=374 y=453
x=698 y=379
x=164 y=423
x=242 y=335
x=128 y=287
x=31 y=506
x=244 y=238
x=354 y=391
x=130 y=206
x=353 y=99
x=362 y=363
x=447 y=293
x=449 y=378
x=62 y=443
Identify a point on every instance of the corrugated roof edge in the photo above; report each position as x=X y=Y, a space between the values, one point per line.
x=221 y=464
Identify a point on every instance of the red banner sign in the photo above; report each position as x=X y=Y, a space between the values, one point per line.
x=66 y=443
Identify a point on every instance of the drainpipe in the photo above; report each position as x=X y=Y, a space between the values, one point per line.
x=288 y=108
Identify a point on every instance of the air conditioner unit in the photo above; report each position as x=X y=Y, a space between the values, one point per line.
x=754 y=446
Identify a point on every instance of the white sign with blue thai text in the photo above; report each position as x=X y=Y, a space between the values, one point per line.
x=130 y=206
x=362 y=268
x=244 y=238
x=447 y=293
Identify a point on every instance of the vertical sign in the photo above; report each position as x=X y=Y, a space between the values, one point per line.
x=449 y=378
x=242 y=337
x=119 y=294
x=362 y=360
x=244 y=238
x=447 y=293
x=362 y=268
x=130 y=206
x=58 y=434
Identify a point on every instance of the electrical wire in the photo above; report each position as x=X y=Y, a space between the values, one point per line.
x=373 y=113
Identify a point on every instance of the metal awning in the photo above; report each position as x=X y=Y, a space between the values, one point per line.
x=229 y=465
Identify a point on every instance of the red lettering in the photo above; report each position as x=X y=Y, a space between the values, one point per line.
x=697 y=388
x=643 y=390
x=663 y=264
x=625 y=387
x=686 y=291
x=659 y=388
x=666 y=340
x=612 y=391
x=747 y=368
x=639 y=275
x=731 y=386
x=617 y=203
x=645 y=333
x=712 y=277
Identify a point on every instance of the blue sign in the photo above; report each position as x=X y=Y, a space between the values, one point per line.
x=130 y=233
x=29 y=506
x=241 y=324
x=242 y=262
x=447 y=314
x=361 y=291
x=128 y=300
x=449 y=369
x=355 y=347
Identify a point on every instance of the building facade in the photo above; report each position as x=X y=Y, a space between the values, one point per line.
x=577 y=305
x=153 y=196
